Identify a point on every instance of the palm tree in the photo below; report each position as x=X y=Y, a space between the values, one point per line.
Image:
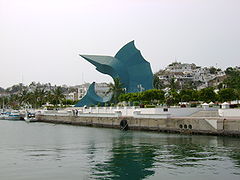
x=31 y=99
x=41 y=96
x=173 y=84
x=157 y=84
x=14 y=101
x=116 y=89
x=23 y=97
x=56 y=96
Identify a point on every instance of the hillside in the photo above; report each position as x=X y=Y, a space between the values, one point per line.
x=189 y=76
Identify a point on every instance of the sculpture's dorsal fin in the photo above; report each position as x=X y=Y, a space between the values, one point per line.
x=127 y=53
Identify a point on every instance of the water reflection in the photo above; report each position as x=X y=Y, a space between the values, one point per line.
x=139 y=157
x=235 y=155
x=127 y=161
x=230 y=147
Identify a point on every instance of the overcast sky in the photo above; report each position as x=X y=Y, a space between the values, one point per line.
x=40 y=39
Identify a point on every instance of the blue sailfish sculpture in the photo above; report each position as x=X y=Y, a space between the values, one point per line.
x=133 y=71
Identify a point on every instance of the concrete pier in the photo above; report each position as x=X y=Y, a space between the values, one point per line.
x=190 y=125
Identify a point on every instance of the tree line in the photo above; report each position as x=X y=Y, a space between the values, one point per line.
x=35 y=98
x=174 y=97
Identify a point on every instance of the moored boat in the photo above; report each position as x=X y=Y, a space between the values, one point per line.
x=4 y=114
x=30 y=117
x=13 y=115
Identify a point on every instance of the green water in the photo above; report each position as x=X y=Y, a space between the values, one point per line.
x=46 y=151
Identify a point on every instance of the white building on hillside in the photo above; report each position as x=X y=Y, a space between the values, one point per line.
x=181 y=67
x=82 y=90
x=72 y=96
x=101 y=89
x=184 y=72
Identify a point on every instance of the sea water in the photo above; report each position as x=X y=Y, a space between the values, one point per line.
x=63 y=152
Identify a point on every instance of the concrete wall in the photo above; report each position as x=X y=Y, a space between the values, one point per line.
x=215 y=126
x=128 y=111
x=179 y=112
x=229 y=112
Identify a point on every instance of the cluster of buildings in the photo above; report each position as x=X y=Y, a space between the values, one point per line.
x=71 y=93
x=101 y=89
x=184 y=72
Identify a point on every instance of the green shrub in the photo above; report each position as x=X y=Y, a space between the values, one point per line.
x=150 y=106
x=193 y=105
x=136 y=103
x=145 y=102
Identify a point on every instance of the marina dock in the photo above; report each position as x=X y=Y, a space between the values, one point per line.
x=200 y=122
